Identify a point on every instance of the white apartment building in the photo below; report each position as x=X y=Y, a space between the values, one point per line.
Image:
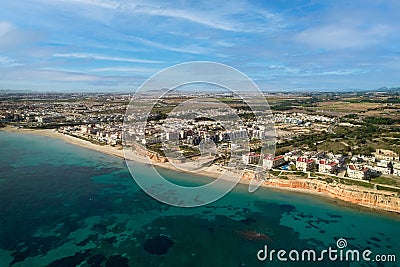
x=325 y=166
x=355 y=172
x=269 y=161
x=251 y=158
x=304 y=164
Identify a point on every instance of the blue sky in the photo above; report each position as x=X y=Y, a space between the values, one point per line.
x=109 y=45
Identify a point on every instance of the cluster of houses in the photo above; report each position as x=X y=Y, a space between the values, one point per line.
x=28 y=110
x=193 y=136
x=269 y=161
x=301 y=163
x=357 y=167
x=300 y=118
x=102 y=133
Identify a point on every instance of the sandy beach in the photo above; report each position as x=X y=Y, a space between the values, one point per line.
x=212 y=171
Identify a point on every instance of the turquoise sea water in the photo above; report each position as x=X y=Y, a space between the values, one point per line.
x=62 y=205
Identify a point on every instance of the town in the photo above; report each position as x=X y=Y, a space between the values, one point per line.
x=99 y=118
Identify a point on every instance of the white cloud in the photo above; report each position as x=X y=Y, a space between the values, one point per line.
x=156 y=10
x=5 y=27
x=217 y=17
x=100 y=57
x=341 y=72
x=126 y=69
x=233 y=17
x=98 y=3
x=338 y=36
x=203 y=19
x=58 y=75
x=11 y=37
x=192 y=49
x=282 y=70
x=6 y=61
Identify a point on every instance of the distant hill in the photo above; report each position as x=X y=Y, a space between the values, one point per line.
x=386 y=89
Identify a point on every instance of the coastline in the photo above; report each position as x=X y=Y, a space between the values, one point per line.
x=106 y=149
x=69 y=139
x=303 y=186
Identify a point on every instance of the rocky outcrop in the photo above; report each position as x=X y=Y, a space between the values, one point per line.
x=354 y=194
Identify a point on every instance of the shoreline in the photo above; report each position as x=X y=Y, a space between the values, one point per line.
x=212 y=171
x=69 y=139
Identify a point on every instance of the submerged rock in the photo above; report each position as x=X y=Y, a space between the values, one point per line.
x=158 y=245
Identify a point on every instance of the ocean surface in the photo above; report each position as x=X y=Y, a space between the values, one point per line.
x=63 y=205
